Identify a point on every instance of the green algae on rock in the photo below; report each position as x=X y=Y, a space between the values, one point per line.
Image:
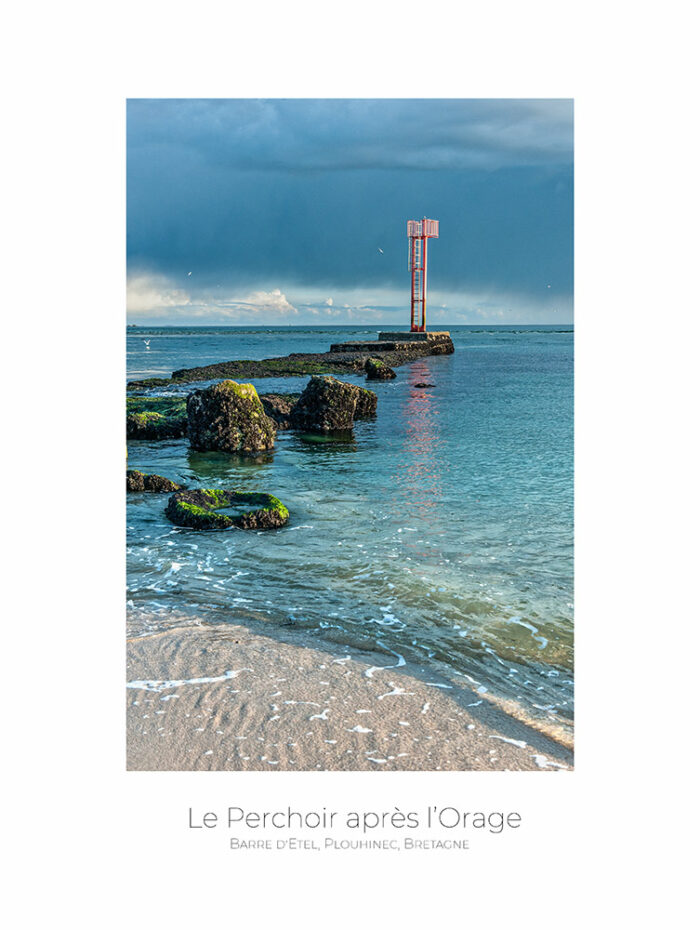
x=153 y=425
x=138 y=481
x=378 y=371
x=174 y=405
x=199 y=509
x=156 y=417
x=228 y=417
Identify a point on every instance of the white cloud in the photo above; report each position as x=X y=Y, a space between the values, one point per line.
x=148 y=294
x=259 y=303
x=153 y=297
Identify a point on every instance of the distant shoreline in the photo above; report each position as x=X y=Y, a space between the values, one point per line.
x=312 y=327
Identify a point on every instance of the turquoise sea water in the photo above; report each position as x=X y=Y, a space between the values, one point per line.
x=441 y=533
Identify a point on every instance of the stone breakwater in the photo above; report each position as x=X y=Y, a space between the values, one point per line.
x=343 y=358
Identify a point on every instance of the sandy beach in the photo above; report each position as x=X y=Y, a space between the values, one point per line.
x=227 y=697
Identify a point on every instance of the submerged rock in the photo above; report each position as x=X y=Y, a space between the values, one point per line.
x=138 y=481
x=378 y=371
x=228 y=417
x=200 y=510
x=326 y=405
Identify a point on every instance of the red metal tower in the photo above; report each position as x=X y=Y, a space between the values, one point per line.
x=419 y=231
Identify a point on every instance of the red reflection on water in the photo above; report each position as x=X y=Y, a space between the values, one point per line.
x=419 y=478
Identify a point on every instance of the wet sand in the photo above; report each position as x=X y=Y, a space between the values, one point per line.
x=225 y=697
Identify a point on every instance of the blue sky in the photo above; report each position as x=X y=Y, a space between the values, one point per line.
x=275 y=211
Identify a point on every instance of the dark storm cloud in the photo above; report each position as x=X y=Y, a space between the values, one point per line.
x=248 y=192
x=301 y=135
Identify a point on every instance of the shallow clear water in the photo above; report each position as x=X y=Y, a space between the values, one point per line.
x=442 y=532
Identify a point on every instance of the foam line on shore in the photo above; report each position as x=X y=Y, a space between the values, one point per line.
x=166 y=685
x=303 y=706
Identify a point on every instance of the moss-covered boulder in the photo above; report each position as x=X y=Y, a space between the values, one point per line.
x=200 y=509
x=156 y=417
x=228 y=417
x=278 y=407
x=378 y=371
x=326 y=405
x=138 y=481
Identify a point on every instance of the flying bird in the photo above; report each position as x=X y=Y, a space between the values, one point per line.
x=189 y=274
x=147 y=343
x=380 y=250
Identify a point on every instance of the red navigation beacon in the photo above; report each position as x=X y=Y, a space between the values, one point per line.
x=419 y=231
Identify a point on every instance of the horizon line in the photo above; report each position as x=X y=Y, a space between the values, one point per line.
x=334 y=325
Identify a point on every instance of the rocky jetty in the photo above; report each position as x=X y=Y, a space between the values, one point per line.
x=138 y=481
x=285 y=366
x=393 y=349
x=398 y=344
x=328 y=405
x=228 y=417
x=200 y=509
x=378 y=371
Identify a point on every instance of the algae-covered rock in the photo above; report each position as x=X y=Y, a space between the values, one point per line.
x=156 y=417
x=326 y=405
x=173 y=405
x=153 y=425
x=366 y=404
x=149 y=383
x=138 y=481
x=378 y=371
x=331 y=406
x=200 y=509
x=278 y=407
x=228 y=417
